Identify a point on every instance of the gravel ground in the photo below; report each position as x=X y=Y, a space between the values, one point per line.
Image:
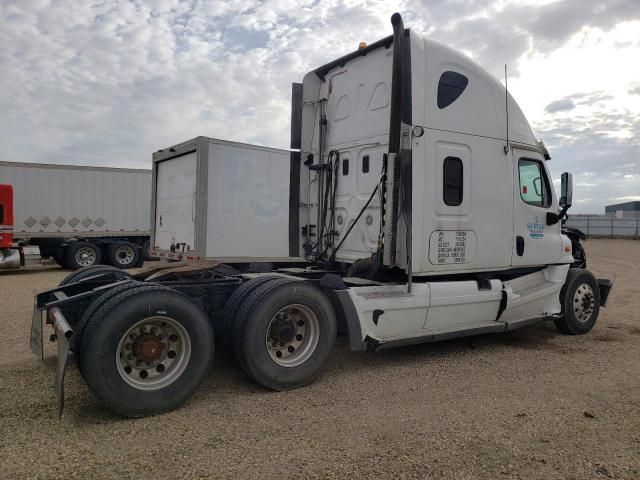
x=527 y=404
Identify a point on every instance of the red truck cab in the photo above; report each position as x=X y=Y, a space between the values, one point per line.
x=6 y=216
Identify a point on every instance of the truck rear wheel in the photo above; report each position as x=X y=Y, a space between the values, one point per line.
x=86 y=272
x=145 y=351
x=580 y=300
x=81 y=254
x=123 y=254
x=80 y=325
x=236 y=300
x=284 y=333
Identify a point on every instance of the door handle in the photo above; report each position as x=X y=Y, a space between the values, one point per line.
x=520 y=245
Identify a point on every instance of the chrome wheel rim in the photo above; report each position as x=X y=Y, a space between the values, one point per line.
x=584 y=301
x=292 y=335
x=153 y=353
x=85 y=256
x=124 y=255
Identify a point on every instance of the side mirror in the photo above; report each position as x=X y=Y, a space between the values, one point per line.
x=566 y=190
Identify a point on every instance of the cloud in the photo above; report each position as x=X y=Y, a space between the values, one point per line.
x=109 y=82
x=560 y=106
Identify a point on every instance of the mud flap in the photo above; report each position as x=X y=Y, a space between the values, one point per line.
x=36 y=342
x=63 y=336
x=604 y=285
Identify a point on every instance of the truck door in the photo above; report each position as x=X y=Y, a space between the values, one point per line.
x=535 y=242
x=175 y=202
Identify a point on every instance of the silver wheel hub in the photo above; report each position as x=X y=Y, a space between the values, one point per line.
x=292 y=335
x=584 y=301
x=153 y=353
x=125 y=255
x=85 y=256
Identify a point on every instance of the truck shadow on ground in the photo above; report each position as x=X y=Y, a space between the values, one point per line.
x=227 y=383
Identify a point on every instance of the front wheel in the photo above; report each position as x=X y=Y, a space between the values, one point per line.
x=146 y=350
x=284 y=333
x=580 y=300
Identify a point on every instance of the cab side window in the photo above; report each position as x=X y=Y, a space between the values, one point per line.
x=452 y=187
x=534 y=185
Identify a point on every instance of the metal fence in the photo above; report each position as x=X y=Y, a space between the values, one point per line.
x=606 y=225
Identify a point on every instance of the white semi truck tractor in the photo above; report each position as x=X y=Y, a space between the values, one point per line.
x=413 y=217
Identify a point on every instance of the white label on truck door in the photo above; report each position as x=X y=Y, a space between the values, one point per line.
x=452 y=247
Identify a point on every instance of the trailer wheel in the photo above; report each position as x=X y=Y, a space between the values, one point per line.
x=86 y=272
x=285 y=333
x=146 y=350
x=82 y=254
x=58 y=257
x=580 y=300
x=123 y=254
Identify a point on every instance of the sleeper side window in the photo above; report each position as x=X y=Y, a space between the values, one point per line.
x=450 y=87
x=452 y=188
x=1 y=214
x=534 y=185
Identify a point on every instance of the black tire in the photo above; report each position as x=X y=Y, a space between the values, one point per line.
x=86 y=272
x=80 y=325
x=235 y=301
x=580 y=301
x=58 y=257
x=251 y=331
x=106 y=330
x=122 y=254
x=81 y=254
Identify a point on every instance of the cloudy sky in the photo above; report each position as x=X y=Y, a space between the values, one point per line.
x=107 y=82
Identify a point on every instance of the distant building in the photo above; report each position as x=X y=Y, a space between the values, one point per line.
x=627 y=209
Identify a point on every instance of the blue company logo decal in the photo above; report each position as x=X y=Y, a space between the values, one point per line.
x=536 y=229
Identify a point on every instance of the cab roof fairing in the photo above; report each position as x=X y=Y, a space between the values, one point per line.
x=485 y=115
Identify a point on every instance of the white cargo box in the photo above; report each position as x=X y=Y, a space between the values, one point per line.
x=213 y=198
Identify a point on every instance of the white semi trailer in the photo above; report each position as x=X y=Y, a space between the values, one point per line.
x=78 y=215
x=414 y=217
